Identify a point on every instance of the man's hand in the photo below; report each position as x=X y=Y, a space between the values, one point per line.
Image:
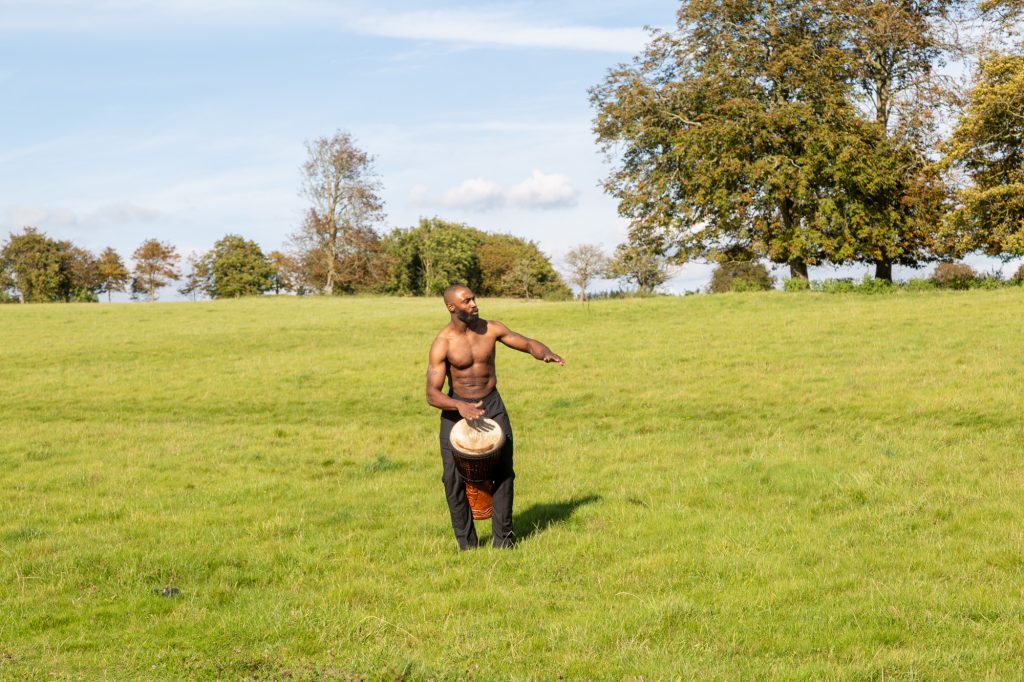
x=471 y=411
x=551 y=357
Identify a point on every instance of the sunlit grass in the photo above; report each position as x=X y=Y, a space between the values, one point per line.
x=721 y=487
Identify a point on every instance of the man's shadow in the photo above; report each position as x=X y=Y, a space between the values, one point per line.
x=538 y=517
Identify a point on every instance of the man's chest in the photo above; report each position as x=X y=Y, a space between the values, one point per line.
x=465 y=352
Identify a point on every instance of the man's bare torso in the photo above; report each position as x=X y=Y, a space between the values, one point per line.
x=469 y=358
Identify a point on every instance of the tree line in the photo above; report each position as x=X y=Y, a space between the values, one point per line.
x=415 y=261
x=807 y=132
x=336 y=250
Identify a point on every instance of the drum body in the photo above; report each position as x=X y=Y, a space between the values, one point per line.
x=476 y=448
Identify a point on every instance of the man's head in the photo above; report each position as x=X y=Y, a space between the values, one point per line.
x=461 y=303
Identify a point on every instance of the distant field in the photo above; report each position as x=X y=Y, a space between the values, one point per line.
x=716 y=487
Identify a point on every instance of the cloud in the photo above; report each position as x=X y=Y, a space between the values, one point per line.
x=501 y=29
x=541 y=191
x=464 y=27
x=44 y=217
x=20 y=216
x=544 y=191
x=123 y=213
x=476 y=193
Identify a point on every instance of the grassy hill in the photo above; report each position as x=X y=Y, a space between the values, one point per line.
x=720 y=487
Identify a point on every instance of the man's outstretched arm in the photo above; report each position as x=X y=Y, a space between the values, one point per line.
x=435 y=382
x=524 y=344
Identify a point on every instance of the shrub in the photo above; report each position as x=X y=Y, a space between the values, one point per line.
x=874 y=285
x=844 y=285
x=991 y=280
x=953 y=276
x=740 y=276
x=1018 y=277
x=795 y=284
x=919 y=284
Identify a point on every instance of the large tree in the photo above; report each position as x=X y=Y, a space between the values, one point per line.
x=236 y=267
x=515 y=267
x=896 y=49
x=33 y=265
x=155 y=266
x=337 y=241
x=114 y=276
x=425 y=259
x=39 y=269
x=729 y=131
x=988 y=147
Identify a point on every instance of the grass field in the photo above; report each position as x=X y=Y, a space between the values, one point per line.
x=716 y=487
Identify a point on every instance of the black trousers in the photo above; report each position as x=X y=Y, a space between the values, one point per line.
x=455 y=484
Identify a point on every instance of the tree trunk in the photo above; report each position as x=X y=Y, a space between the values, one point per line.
x=798 y=269
x=883 y=270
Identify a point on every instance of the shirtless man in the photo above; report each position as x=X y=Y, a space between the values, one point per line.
x=463 y=351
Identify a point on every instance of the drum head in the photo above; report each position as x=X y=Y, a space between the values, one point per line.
x=477 y=438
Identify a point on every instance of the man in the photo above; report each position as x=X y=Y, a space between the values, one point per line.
x=463 y=352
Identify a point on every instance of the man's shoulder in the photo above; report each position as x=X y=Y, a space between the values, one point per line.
x=444 y=333
x=496 y=327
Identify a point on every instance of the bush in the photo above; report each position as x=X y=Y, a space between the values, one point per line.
x=992 y=280
x=844 y=285
x=795 y=284
x=740 y=276
x=874 y=285
x=919 y=284
x=1018 y=277
x=953 y=276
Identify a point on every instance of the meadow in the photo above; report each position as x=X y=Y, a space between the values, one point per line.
x=770 y=486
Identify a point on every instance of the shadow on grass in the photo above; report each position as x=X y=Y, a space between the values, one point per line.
x=537 y=518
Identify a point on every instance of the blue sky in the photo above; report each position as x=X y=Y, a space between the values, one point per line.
x=185 y=120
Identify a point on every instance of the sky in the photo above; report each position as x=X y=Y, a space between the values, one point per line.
x=186 y=120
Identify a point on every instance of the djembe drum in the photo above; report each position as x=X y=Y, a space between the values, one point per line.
x=476 y=447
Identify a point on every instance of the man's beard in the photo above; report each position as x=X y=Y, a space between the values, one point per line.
x=467 y=317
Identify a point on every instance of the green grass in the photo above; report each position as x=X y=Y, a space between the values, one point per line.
x=757 y=485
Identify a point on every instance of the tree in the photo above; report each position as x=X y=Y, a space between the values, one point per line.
x=739 y=276
x=731 y=130
x=448 y=254
x=988 y=145
x=41 y=269
x=155 y=266
x=895 y=49
x=82 y=280
x=337 y=242
x=236 y=267
x=113 y=274
x=425 y=259
x=512 y=266
x=198 y=277
x=641 y=261
x=585 y=263
x=32 y=262
x=287 y=273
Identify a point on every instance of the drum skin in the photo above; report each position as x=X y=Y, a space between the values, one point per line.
x=476 y=446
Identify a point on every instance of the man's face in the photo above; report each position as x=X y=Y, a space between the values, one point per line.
x=464 y=306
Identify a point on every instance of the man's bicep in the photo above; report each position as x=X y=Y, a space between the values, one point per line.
x=436 y=366
x=512 y=339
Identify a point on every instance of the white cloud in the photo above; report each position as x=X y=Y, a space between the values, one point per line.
x=48 y=217
x=20 y=216
x=476 y=193
x=539 y=191
x=465 y=27
x=124 y=212
x=502 y=29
